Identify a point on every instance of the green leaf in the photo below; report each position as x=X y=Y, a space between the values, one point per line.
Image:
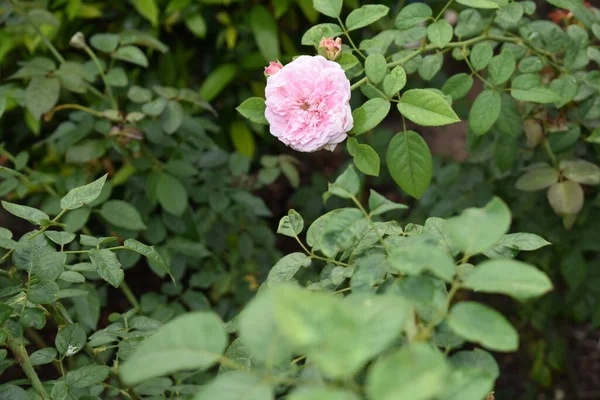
x=172 y=117
x=331 y=8
x=566 y=197
x=131 y=54
x=286 y=268
x=83 y=195
x=264 y=29
x=522 y=241
x=369 y=115
x=148 y=252
x=476 y=229
x=191 y=341
x=511 y=13
x=537 y=178
x=430 y=66
x=313 y=36
x=485 y=111
x=30 y=250
x=481 y=324
x=417 y=258
x=60 y=238
x=417 y=371
x=536 y=95
x=365 y=15
x=580 y=171
x=567 y=87
x=107 y=266
x=291 y=225
x=236 y=385
x=254 y=109
x=171 y=194
x=43 y=292
x=531 y=64
x=479 y=3
x=41 y=95
x=410 y=163
x=49 y=266
x=517 y=279
x=394 y=81
x=338 y=219
x=43 y=356
x=480 y=56
x=413 y=14
x=379 y=204
x=346 y=185
x=426 y=108
x=86 y=376
x=458 y=86
x=105 y=42
x=347 y=61
x=243 y=142
x=440 y=33
x=122 y=214
x=502 y=66
x=196 y=24
x=70 y=340
x=33 y=215
x=147 y=9
x=321 y=393
x=376 y=67
x=366 y=158
x=217 y=81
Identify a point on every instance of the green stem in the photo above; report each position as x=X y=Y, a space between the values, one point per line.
x=102 y=75
x=550 y=153
x=130 y=296
x=22 y=357
x=474 y=72
x=443 y=10
x=350 y=39
x=50 y=113
x=359 y=83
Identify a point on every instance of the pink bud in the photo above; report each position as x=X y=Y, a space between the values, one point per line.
x=451 y=17
x=273 y=68
x=330 y=48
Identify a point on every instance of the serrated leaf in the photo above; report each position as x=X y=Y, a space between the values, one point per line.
x=369 y=115
x=83 y=195
x=426 y=108
x=291 y=225
x=41 y=95
x=108 y=266
x=485 y=111
x=131 y=54
x=410 y=163
x=122 y=214
x=365 y=157
x=148 y=252
x=440 y=33
x=413 y=14
x=365 y=15
x=254 y=109
x=33 y=215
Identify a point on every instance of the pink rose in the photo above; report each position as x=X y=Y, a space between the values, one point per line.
x=308 y=104
x=273 y=68
x=330 y=49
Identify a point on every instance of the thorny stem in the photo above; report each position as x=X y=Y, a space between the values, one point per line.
x=20 y=353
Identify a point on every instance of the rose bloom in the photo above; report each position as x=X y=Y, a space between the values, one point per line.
x=308 y=104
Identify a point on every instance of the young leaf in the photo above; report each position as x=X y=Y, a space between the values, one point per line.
x=291 y=225
x=440 y=33
x=148 y=252
x=481 y=324
x=131 y=54
x=413 y=14
x=41 y=95
x=254 y=109
x=394 y=81
x=107 y=266
x=313 y=36
x=566 y=197
x=264 y=29
x=365 y=15
x=83 y=195
x=410 y=163
x=172 y=117
x=416 y=371
x=346 y=185
x=476 y=229
x=60 y=238
x=369 y=115
x=122 y=214
x=347 y=61
x=379 y=204
x=485 y=111
x=331 y=8
x=70 y=340
x=426 y=108
x=458 y=86
x=366 y=158
x=33 y=215
x=502 y=66
x=286 y=268
x=43 y=356
x=171 y=194
x=581 y=171
x=191 y=341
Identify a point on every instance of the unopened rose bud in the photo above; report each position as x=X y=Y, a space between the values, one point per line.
x=451 y=17
x=273 y=68
x=78 y=41
x=330 y=49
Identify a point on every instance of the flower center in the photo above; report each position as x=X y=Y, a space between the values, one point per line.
x=305 y=106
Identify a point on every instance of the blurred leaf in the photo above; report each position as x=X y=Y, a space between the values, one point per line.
x=41 y=95
x=147 y=9
x=171 y=194
x=122 y=214
x=264 y=29
x=105 y=42
x=131 y=54
x=331 y=8
x=242 y=138
x=253 y=109
x=218 y=80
